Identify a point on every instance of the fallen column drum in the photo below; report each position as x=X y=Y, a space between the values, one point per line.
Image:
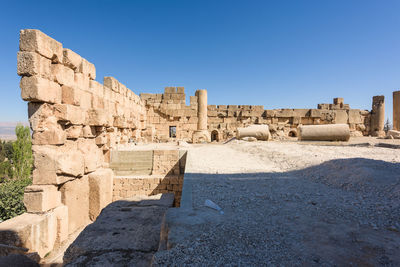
x=327 y=132
x=261 y=132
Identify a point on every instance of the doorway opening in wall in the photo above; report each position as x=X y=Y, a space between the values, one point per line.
x=172 y=131
x=293 y=133
x=214 y=136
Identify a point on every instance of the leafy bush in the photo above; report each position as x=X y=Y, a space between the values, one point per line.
x=11 y=197
x=22 y=153
x=15 y=171
x=5 y=170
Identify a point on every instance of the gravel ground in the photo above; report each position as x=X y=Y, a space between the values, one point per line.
x=288 y=204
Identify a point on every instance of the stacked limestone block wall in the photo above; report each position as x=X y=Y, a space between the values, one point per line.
x=223 y=120
x=151 y=172
x=75 y=122
x=170 y=110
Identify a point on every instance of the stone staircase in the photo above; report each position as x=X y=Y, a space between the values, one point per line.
x=130 y=163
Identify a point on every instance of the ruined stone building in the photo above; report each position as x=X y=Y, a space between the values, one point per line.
x=78 y=123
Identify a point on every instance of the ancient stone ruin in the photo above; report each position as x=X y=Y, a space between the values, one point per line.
x=79 y=125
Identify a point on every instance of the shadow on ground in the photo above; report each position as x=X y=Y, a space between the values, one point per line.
x=340 y=212
x=126 y=233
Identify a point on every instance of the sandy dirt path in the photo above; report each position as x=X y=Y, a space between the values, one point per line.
x=289 y=204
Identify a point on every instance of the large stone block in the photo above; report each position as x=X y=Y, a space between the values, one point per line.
x=97 y=88
x=49 y=136
x=52 y=163
x=341 y=117
x=74 y=131
x=97 y=117
x=37 y=89
x=71 y=59
x=100 y=191
x=86 y=100
x=75 y=195
x=36 y=41
x=36 y=232
x=92 y=155
x=355 y=116
x=31 y=63
x=38 y=113
x=46 y=130
x=69 y=113
x=61 y=214
x=41 y=198
x=62 y=74
x=87 y=69
x=81 y=81
x=70 y=95
x=111 y=83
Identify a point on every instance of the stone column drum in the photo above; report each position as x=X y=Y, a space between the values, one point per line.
x=202 y=134
x=396 y=110
x=326 y=132
x=378 y=116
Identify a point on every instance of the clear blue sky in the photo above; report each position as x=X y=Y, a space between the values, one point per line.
x=280 y=54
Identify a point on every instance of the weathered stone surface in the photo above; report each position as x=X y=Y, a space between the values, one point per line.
x=393 y=133
x=62 y=74
x=74 y=131
x=97 y=117
x=69 y=113
x=329 y=132
x=53 y=136
x=39 y=113
x=75 y=195
x=341 y=116
x=86 y=100
x=111 y=83
x=100 y=191
x=260 y=132
x=46 y=130
x=31 y=63
x=71 y=59
x=355 y=116
x=81 y=81
x=49 y=162
x=87 y=68
x=378 y=116
x=110 y=234
x=36 y=232
x=41 y=198
x=92 y=155
x=36 y=41
x=37 y=89
x=61 y=214
x=70 y=95
x=396 y=110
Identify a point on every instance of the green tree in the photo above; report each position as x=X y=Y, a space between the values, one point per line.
x=387 y=126
x=5 y=163
x=22 y=158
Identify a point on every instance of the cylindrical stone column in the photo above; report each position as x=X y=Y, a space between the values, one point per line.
x=396 y=110
x=326 y=132
x=202 y=109
x=378 y=116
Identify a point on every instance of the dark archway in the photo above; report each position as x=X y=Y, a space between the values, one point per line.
x=292 y=133
x=214 y=136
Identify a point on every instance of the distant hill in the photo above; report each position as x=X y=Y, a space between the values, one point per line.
x=7 y=129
